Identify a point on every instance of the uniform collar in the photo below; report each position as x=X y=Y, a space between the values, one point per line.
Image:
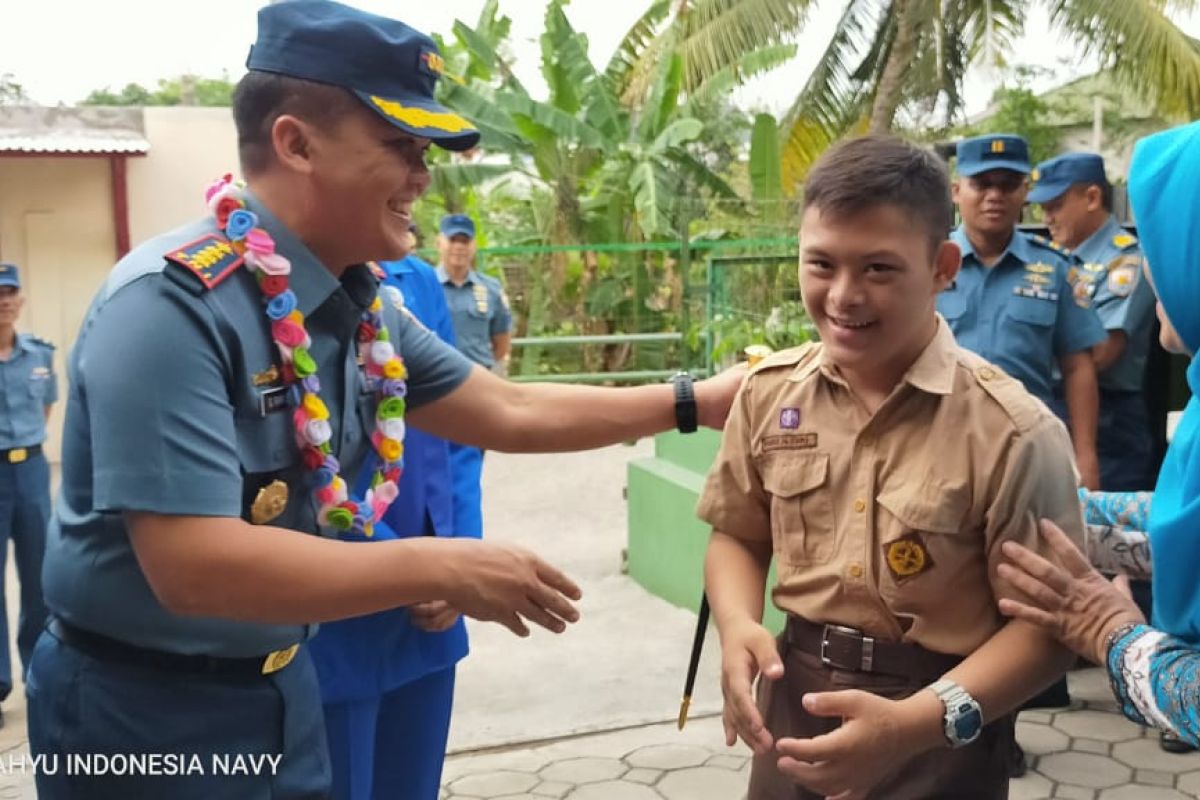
x=1018 y=246
x=932 y=372
x=1092 y=249
x=309 y=280
x=444 y=277
x=23 y=341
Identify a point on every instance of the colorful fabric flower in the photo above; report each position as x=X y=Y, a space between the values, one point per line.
x=260 y=242
x=282 y=304
x=240 y=223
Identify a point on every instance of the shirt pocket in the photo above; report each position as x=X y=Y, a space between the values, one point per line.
x=925 y=531
x=269 y=457
x=802 y=521
x=1033 y=311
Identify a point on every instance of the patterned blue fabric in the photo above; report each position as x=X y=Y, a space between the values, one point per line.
x=1129 y=510
x=1173 y=677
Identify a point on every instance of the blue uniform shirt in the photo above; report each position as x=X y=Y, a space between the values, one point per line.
x=176 y=407
x=479 y=310
x=27 y=385
x=1020 y=313
x=1107 y=267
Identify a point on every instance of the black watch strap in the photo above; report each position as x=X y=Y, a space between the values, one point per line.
x=685 y=403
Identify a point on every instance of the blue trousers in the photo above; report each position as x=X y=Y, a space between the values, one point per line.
x=466 y=467
x=85 y=708
x=1124 y=442
x=24 y=513
x=392 y=747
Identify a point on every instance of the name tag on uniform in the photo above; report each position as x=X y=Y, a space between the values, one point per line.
x=1034 y=292
x=795 y=441
x=272 y=400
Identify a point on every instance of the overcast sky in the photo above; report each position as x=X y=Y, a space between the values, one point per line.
x=62 y=49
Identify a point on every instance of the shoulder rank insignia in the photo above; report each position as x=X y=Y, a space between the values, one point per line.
x=1044 y=242
x=1123 y=240
x=210 y=258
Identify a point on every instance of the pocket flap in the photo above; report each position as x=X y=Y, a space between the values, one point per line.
x=1033 y=310
x=931 y=507
x=788 y=474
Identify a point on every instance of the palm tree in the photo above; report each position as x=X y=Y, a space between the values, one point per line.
x=886 y=56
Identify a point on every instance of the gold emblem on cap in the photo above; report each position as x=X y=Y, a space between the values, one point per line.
x=1036 y=175
x=421 y=118
x=269 y=503
x=997 y=145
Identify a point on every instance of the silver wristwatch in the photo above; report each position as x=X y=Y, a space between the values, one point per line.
x=963 y=718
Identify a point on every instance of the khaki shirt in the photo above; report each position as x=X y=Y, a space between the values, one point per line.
x=892 y=523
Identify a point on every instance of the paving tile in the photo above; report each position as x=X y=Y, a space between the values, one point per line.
x=668 y=756
x=523 y=796
x=1091 y=686
x=1097 y=725
x=1152 y=777
x=1074 y=792
x=727 y=762
x=1190 y=783
x=1029 y=787
x=1132 y=792
x=1091 y=746
x=1083 y=769
x=702 y=783
x=1146 y=754
x=614 y=790
x=552 y=789
x=1035 y=715
x=643 y=775
x=494 y=784
x=583 y=770
x=1040 y=739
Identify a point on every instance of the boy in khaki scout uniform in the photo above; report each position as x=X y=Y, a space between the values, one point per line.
x=882 y=468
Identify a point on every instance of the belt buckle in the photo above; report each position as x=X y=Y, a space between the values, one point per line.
x=279 y=659
x=866 y=659
x=17 y=455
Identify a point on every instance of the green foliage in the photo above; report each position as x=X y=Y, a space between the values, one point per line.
x=1021 y=111
x=11 y=92
x=187 y=90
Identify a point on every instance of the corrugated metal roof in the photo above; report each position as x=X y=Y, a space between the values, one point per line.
x=82 y=142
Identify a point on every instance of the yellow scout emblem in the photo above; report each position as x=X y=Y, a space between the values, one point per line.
x=1039 y=267
x=267 y=377
x=269 y=503
x=210 y=258
x=481 y=300
x=279 y=659
x=1123 y=240
x=1123 y=278
x=907 y=556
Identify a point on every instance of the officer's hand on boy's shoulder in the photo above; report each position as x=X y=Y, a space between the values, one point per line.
x=715 y=395
x=433 y=616
x=876 y=738
x=746 y=650
x=510 y=585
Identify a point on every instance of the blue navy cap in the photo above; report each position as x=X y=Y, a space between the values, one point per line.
x=997 y=151
x=1052 y=178
x=453 y=224
x=9 y=276
x=388 y=65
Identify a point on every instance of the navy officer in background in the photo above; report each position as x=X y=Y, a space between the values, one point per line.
x=28 y=389
x=216 y=392
x=1076 y=200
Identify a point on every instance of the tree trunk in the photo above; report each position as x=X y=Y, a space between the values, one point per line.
x=891 y=83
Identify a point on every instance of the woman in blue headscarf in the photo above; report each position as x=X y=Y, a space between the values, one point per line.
x=1155 y=671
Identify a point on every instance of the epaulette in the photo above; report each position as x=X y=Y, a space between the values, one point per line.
x=210 y=258
x=1009 y=393
x=1124 y=241
x=41 y=342
x=1049 y=245
x=790 y=357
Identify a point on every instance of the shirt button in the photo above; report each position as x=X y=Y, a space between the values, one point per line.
x=986 y=373
x=855 y=571
x=859 y=506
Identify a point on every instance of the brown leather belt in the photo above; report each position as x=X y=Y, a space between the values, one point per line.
x=851 y=650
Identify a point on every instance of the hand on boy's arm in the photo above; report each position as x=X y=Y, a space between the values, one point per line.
x=877 y=737
x=747 y=648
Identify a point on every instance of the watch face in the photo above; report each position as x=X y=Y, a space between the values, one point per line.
x=967 y=722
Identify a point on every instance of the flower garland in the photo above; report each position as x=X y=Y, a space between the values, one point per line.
x=385 y=373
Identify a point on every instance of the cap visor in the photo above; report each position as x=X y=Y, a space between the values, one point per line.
x=459 y=231
x=991 y=164
x=424 y=118
x=1044 y=192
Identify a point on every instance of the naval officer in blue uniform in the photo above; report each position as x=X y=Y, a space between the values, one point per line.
x=1012 y=302
x=230 y=381
x=387 y=679
x=1076 y=200
x=28 y=389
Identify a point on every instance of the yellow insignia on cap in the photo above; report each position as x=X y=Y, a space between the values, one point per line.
x=1123 y=240
x=907 y=556
x=434 y=61
x=420 y=117
x=1036 y=175
x=997 y=145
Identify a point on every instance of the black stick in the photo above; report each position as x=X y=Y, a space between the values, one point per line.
x=694 y=663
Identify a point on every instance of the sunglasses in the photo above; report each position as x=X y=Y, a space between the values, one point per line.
x=1006 y=182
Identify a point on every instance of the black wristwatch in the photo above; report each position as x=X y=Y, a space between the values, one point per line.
x=685 y=402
